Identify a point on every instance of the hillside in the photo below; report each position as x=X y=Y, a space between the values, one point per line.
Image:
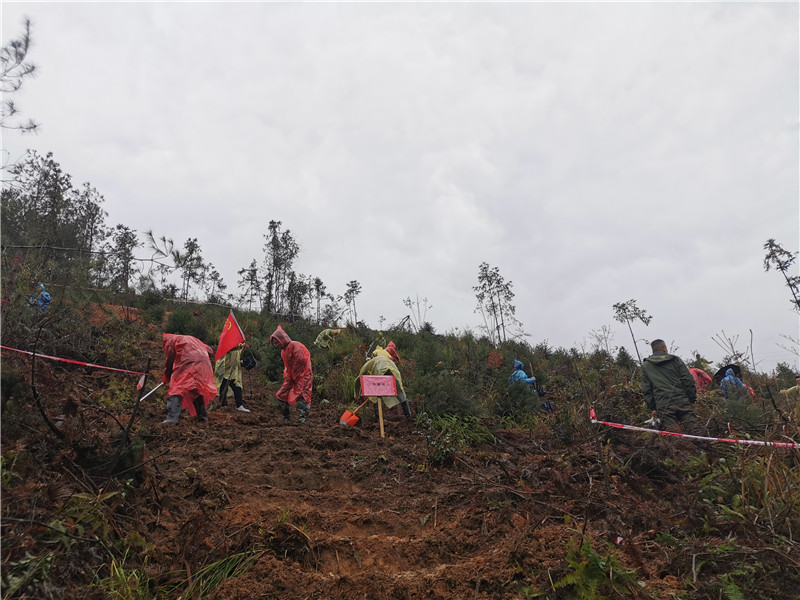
x=246 y=506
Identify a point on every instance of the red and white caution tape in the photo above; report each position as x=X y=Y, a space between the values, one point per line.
x=593 y=418
x=74 y=362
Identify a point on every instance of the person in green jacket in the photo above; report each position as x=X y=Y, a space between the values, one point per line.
x=669 y=390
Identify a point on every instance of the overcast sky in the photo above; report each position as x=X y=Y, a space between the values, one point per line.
x=594 y=152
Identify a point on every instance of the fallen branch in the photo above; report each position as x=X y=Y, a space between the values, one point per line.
x=58 y=433
x=126 y=433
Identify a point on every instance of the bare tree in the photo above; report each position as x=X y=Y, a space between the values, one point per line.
x=602 y=338
x=794 y=346
x=319 y=294
x=494 y=295
x=161 y=248
x=119 y=257
x=419 y=310
x=732 y=355
x=299 y=293
x=353 y=290
x=190 y=264
x=213 y=283
x=249 y=279
x=627 y=312
x=280 y=252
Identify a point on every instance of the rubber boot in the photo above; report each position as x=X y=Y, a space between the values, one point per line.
x=200 y=409
x=406 y=409
x=284 y=408
x=173 y=410
x=303 y=408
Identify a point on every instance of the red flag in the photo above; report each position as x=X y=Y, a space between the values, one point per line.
x=230 y=337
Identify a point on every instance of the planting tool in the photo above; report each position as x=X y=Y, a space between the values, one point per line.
x=151 y=391
x=349 y=418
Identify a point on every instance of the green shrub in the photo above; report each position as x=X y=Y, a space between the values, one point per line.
x=152 y=305
x=182 y=322
x=516 y=401
x=594 y=576
x=442 y=393
x=428 y=354
x=448 y=433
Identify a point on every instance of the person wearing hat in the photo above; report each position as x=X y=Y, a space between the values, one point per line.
x=669 y=390
x=297 y=375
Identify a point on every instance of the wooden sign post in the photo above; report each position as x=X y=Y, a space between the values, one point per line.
x=379 y=386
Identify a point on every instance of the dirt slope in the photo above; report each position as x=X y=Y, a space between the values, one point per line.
x=346 y=514
x=322 y=511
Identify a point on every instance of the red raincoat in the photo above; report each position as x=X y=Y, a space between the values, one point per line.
x=297 y=376
x=701 y=379
x=188 y=371
x=392 y=350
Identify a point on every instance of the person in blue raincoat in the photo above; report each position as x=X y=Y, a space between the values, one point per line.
x=731 y=385
x=41 y=299
x=518 y=376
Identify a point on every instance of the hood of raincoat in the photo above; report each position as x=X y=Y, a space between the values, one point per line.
x=392 y=350
x=518 y=366
x=381 y=351
x=281 y=336
x=731 y=379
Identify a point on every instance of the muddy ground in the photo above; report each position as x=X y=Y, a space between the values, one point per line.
x=319 y=510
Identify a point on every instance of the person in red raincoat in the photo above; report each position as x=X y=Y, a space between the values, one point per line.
x=188 y=373
x=392 y=350
x=701 y=379
x=297 y=376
